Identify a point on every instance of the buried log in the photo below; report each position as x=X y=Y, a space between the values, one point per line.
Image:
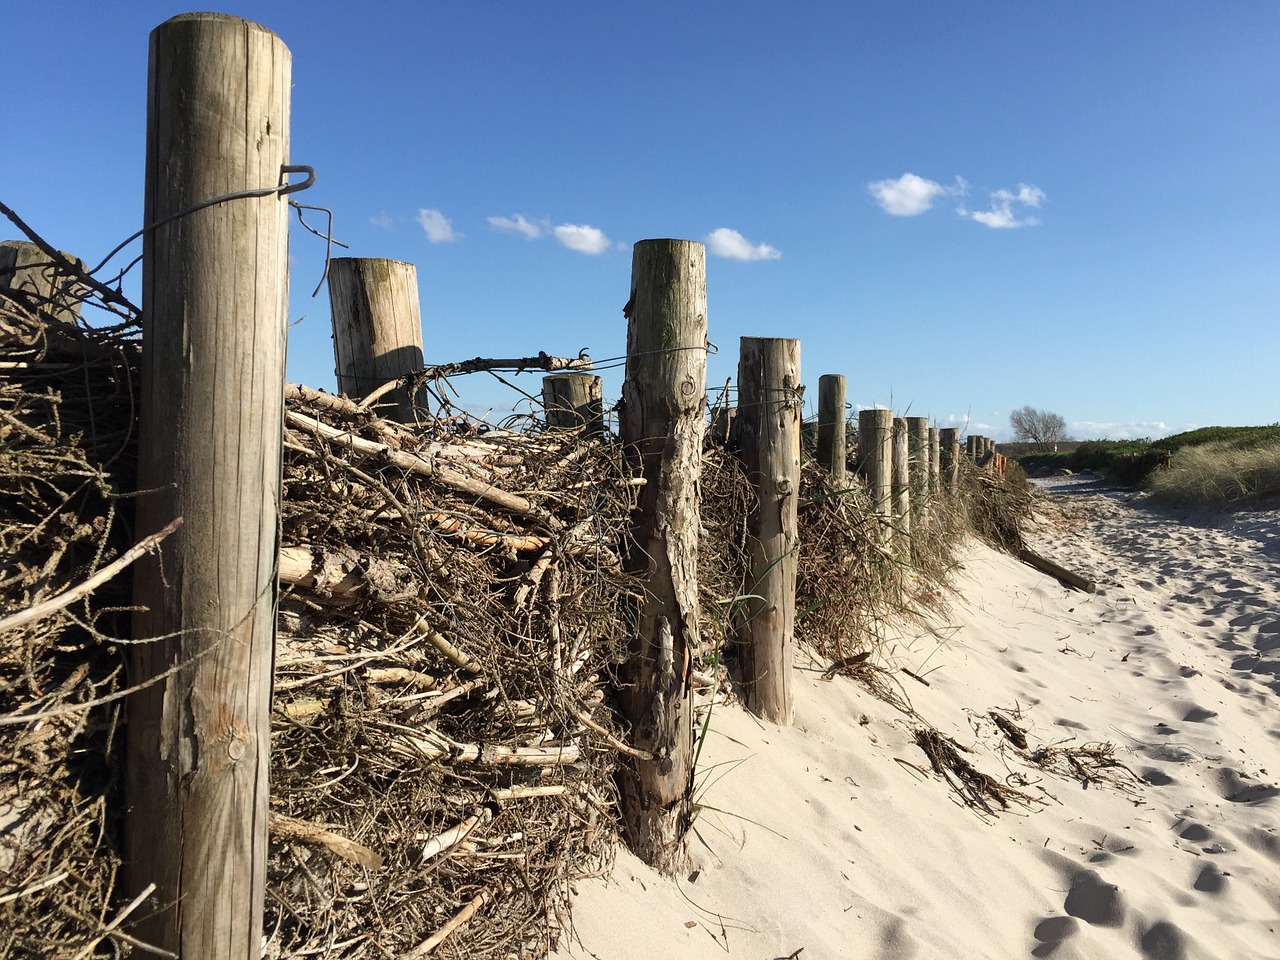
x=1061 y=574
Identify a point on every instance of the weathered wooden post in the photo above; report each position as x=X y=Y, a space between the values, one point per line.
x=832 y=439
x=661 y=425
x=935 y=461
x=918 y=454
x=949 y=448
x=215 y=295
x=27 y=275
x=769 y=409
x=971 y=448
x=875 y=463
x=377 y=328
x=573 y=401
x=901 y=483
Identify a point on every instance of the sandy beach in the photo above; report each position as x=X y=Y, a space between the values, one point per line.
x=1146 y=817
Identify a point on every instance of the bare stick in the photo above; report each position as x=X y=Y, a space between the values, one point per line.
x=68 y=597
x=455 y=922
x=131 y=906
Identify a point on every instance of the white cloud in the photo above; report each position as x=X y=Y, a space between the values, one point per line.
x=516 y=224
x=580 y=237
x=1132 y=430
x=437 y=226
x=911 y=195
x=1001 y=216
x=383 y=220
x=724 y=242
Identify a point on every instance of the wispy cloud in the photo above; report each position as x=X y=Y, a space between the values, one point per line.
x=582 y=238
x=438 y=227
x=911 y=195
x=516 y=224
x=1002 y=216
x=724 y=242
x=383 y=220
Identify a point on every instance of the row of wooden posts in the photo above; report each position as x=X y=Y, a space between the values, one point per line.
x=215 y=294
x=905 y=461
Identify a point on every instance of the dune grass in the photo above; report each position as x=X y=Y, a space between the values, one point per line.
x=1219 y=473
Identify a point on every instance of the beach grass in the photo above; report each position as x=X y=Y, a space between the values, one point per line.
x=1220 y=472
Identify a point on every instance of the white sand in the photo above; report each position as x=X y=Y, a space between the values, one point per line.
x=825 y=836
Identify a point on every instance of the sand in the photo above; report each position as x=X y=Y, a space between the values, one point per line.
x=834 y=838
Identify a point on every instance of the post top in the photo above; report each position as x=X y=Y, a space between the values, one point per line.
x=211 y=16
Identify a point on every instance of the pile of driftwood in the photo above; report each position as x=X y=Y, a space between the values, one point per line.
x=66 y=469
x=452 y=600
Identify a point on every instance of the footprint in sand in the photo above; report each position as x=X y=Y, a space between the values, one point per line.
x=1051 y=932
x=1094 y=901
x=1156 y=777
x=1241 y=788
x=1195 y=833
x=1198 y=714
x=1210 y=879
x=1163 y=941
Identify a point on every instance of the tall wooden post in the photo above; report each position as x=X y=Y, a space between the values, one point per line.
x=971 y=448
x=949 y=447
x=215 y=293
x=935 y=461
x=918 y=453
x=377 y=328
x=769 y=410
x=574 y=401
x=832 y=439
x=901 y=483
x=661 y=425
x=875 y=463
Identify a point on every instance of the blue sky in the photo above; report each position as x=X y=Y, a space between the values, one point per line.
x=964 y=208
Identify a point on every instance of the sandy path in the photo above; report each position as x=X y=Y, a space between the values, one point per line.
x=833 y=836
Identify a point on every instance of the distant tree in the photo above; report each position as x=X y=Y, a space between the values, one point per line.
x=1038 y=426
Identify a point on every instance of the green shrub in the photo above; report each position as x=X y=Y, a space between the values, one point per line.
x=1232 y=436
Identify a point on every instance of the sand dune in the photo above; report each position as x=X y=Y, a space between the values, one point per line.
x=835 y=837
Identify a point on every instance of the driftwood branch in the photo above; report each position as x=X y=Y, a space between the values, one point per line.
x=291 y=828
x=1061 y=574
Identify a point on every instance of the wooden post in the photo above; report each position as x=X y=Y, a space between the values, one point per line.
x=215 y=291
x=949 y=448
x=875 y=463
x=661 y=425
x=935 y=461
x=574 y=401
x=918 y=464
x=27 y=275
x=901 y=483
x=769 y=408
x=832 y=440
x=971 y=448
x=377 y=328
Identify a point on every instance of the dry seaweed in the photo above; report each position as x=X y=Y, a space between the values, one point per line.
x=975 y=788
